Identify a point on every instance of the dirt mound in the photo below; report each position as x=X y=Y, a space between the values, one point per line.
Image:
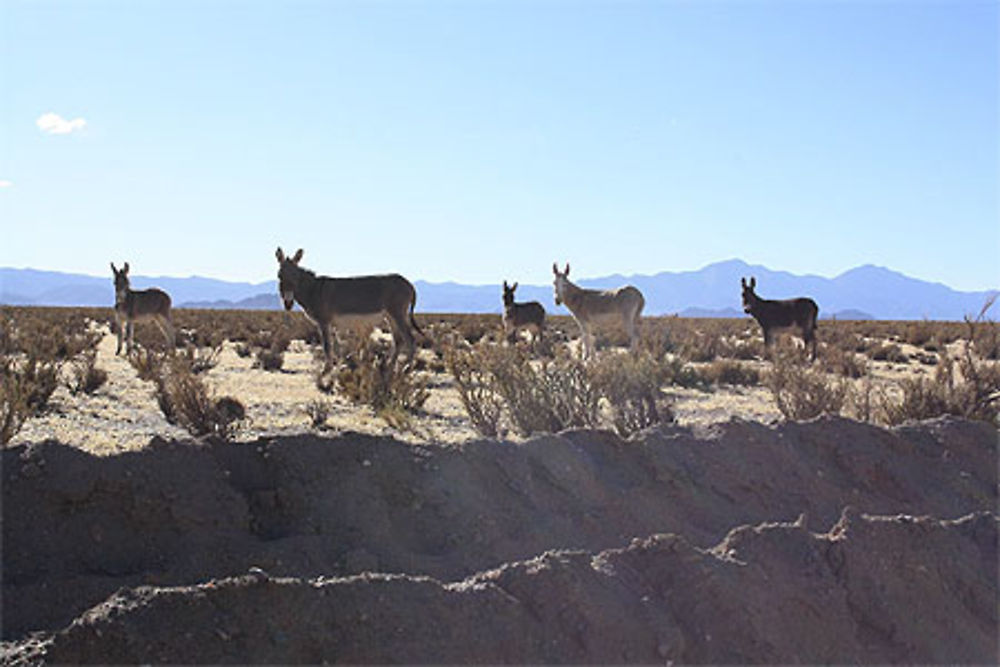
x=78 y=528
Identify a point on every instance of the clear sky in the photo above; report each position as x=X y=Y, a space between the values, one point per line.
x=481 y=140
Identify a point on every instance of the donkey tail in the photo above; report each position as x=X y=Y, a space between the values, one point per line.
x=413 y=321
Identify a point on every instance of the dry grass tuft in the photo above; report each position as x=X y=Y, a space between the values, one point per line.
x=369 y=376
x=801 y=392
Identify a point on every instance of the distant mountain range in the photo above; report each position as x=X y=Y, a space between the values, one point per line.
x=865 y=292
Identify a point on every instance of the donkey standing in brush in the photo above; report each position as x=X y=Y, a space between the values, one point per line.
x=516 y=316
x=357 y=302
x=590 y=307
x=772 y=315
x=131 y=305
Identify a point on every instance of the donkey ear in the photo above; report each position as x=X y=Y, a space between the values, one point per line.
x=743 y=283
x=280 y=254
x=113 y=269
x=566 y=272
x=513 y=287
x=298 y=256
x=555 y=269
x=753 y=282
x=125 y=268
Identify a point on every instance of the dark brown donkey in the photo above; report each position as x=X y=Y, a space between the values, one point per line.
x=772 y=315
x=361 y=302
x=132 y=305
x=516 y=316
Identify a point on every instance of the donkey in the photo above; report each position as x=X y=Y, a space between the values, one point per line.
x=358 y=302
x=797 y=313
x=530 y=315
x=590 y=306
x=131 y=305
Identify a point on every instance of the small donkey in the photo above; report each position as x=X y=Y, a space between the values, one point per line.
x=772 y=315
x=516 y=316
x=131 y=305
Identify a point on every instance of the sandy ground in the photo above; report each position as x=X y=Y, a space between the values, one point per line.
x=123 y=415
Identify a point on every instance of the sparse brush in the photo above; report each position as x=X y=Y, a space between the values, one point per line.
x=802 y=393
x=269 y=359
x=185 y=400
x=702 y=347
x=318 y=411
x=544 y=396
x=147 y=363
x=371 y=377
x=85 y=377
x=919 y=333
x=972 y=392
x=25 y=389
x=681 y=374
x=888 y=352
x=243 y=350
x=984 y=334
x=729 y=372
x=202 y=359
x=481 y=403
x=631 y=385
x=843 y=362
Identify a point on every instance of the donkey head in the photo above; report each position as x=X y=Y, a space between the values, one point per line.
x=508 y=293
x=121 y=281
x=288 y=276
x=749 y=297
x=559 y=284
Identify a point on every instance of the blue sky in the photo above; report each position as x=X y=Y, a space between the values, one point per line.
x=480 y=141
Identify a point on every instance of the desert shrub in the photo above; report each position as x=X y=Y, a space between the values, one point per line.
x=702 y=347
x=984 y=334
x=27 y=384
x=631 y=385
x=919 y=333
x=681 y=374
x=318 y=411
x=243 y=350
x=269 y=359
x=185 y=401
x=369 y=376
x=85 y=377
x=801 y=392
x=481 y=403
x=147 y=363
x=727 y=371
x=843 y=362
x=888 y=352
x=972 y=392
x=547 y=396
x=202 y=359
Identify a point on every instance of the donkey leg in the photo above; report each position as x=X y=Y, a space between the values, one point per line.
x=810 y=340
x=129 y=331
x=401 y=330
x=121 y=334
x=632 y=327
x=324 y=335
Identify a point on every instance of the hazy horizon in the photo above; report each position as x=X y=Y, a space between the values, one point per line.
x=473 y=143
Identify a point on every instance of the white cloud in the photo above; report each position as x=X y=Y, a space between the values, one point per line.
x=53 y=123
x=6 y=184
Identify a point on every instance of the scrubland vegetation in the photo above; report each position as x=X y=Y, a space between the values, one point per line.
x=878 y=371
